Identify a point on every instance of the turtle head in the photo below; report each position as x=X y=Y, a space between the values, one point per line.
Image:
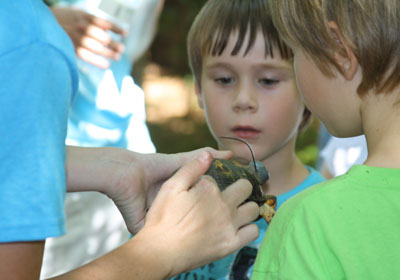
x=256 y=168
x=258 y=171
x=261 y=172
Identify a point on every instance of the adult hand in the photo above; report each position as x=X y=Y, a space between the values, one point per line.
x=136 y=184
x=90 y=35
x=191 y=223
x=131 y=180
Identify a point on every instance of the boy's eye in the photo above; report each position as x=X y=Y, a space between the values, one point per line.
x=268 y=82
x=224 y=80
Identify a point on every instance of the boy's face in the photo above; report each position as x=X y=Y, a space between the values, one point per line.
x=332 y=99
x=252 y=97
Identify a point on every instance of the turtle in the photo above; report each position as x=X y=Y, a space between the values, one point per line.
x=225 y=172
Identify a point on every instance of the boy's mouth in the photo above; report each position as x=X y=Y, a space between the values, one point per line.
x=245 y=132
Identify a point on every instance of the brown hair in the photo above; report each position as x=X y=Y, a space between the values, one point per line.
x=219 y=19
x=370 y=27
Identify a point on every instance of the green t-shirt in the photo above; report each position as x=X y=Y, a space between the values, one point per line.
x=345 y=228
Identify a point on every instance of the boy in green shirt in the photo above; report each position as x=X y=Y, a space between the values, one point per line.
x=347 y=64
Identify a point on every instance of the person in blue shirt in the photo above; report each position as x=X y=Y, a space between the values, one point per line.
x=245 y=83
x=39 y=81
x=109 y=110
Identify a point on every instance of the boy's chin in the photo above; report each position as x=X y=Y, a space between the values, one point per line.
x=241 y=154
x=344 y=132
x=242 y=160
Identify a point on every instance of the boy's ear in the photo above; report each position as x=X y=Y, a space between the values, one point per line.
x=197 y=90
x=346 y=59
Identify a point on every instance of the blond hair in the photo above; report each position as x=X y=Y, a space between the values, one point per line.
x=371 y=28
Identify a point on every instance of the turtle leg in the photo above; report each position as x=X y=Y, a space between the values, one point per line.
x=267 y=212
x=271 y=200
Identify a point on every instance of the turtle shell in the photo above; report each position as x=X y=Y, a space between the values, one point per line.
x=226 y=172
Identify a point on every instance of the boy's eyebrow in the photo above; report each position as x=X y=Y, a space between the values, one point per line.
x=258 y=65
x=217 y=65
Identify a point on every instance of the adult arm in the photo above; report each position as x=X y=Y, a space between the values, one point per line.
x=21 y=260
x=189 y=224
x=130 y=179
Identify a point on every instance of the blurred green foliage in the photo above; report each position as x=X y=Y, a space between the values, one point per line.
x=169 y=47
x=306 y=144
x=50 y=2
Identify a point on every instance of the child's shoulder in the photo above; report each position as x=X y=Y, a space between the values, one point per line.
x=360 y=180
x=322 y=187
x=313 y=178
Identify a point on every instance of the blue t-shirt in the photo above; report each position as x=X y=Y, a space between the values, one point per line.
x=38 y=78
x=239 y=265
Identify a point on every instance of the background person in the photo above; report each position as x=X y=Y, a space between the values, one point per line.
x=109 y=110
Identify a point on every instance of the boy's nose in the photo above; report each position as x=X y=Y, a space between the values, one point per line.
x=245 y=100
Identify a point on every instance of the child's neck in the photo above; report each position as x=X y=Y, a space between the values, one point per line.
x=381 y=124
x=286 y=172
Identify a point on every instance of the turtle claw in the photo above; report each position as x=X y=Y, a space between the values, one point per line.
x=267 y=212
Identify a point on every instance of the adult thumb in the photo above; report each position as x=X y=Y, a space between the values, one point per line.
x=189 y=173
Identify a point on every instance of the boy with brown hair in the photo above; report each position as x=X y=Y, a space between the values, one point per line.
x=347 y=63
x=245 y=83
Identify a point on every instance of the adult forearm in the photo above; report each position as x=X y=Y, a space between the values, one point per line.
x=190 y=222
x=21 y=260
x=94 y=169
x=139 y=258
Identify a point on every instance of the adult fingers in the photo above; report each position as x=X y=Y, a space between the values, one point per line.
x=105 y=24
x=246 y=213
x=98 y=48
x=104 y=38
x=217 y=153
x=182 y=158
x=92 y=58
x=189 y=173
x=98 y=33
x=237 y=193
x=246 y=234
